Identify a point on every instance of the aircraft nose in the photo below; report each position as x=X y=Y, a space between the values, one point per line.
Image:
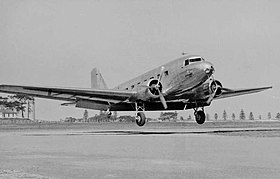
x=208 y=68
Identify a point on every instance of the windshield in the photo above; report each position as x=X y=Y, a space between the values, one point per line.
x=195 y=59
x=192 y=60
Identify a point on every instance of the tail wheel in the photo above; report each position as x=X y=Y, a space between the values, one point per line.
x=140 y=119
x=199 y=117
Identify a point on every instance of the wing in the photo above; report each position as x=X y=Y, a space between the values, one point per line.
x=69 y=94
x=226 y=93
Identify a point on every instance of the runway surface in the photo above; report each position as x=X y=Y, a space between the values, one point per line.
x=154 y=151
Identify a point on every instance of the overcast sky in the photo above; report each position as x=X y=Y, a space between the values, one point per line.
x=57 y=43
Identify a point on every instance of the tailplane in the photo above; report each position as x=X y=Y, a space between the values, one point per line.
x=97 y=81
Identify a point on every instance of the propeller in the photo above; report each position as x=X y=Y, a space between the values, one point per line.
x=212 y=95
x=157 y=86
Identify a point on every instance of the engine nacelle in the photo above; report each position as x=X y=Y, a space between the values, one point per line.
x=151 y=91
x=215 y=87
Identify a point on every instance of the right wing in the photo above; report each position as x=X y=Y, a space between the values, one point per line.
x=70 y=94
x=226 y=93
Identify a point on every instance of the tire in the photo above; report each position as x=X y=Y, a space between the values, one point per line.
x=200 y=117
x=140 y=119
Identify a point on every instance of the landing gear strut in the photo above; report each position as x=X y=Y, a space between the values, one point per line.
x=199 y=116
x=140 y=116
x=109 y=113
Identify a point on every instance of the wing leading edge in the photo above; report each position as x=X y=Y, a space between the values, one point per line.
x=226 y=93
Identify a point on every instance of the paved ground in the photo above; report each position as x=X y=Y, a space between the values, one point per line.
x=155 y=151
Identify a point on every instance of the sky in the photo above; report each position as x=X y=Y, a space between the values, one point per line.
x=58 y=43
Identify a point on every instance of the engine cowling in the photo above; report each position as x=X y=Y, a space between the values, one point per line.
x=215 y=87
x=153 y=91
x=149 y=92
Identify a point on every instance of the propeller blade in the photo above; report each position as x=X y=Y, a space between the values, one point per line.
x=226 y=89
x=163 y=101
x=160 y=76
x=210 y=99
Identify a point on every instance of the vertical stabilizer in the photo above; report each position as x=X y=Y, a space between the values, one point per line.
x=97 y=81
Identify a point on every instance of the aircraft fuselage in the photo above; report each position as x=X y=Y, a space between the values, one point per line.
x=179 y=77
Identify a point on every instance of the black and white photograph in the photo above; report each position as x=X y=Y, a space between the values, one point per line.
x=139 y=89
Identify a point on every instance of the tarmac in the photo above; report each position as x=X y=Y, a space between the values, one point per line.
x=158 y=150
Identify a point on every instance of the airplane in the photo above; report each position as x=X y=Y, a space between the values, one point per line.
x=184 y=83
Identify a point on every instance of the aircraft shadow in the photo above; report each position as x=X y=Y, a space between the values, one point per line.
x=128 y=132
x=133 y=132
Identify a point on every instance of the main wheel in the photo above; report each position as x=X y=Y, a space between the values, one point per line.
x=140 y=119
x=200 y=117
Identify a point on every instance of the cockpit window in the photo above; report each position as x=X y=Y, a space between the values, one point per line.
x=192 y=60
x=195 y=59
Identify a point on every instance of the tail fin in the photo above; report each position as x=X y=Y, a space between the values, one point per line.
x=97 y=81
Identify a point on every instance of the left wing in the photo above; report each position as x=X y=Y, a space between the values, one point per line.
x=226 y=93
x=70 y=94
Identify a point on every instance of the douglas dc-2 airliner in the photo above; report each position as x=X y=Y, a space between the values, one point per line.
x=184 y=83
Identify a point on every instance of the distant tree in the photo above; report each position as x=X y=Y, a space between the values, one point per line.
x=207 y=117
x=189 y=118
x=251 y=116
x=19 y=102
x=169 y=116
x=115 y=115
x=278 y=116
x=3 y=100
x=269 y=115
x=242 y=115
x=175 y=115
x=216 y=116
x=85 y=117
x=260 y=117
x=233 y=116
x=224 y=115
x=101 y=113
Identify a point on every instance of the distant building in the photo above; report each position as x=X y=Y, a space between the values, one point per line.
x=72 y=119
x=8 y=113
x=168 y=116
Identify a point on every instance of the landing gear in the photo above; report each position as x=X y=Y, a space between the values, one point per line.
x=109 y=113
x=199 y=116
x=140 y=119
x=140 y=116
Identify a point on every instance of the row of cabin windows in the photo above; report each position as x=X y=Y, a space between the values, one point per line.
x=132 y=86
